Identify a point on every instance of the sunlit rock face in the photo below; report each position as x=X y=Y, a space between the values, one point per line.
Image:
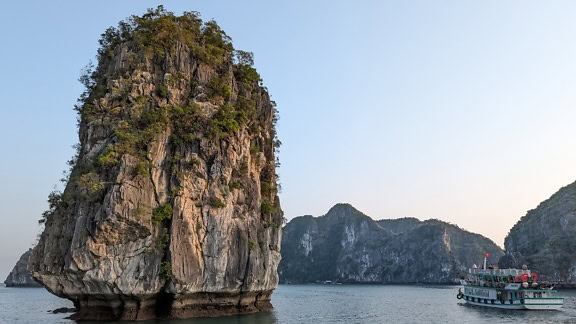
x=171 y=207
x=545 y=238
x=347 y=246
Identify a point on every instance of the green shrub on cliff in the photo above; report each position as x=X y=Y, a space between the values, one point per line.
x=220 y=86
x=216 y=203
x=157 y=33
x=54 y=200
x=163 y=239
x=247 y=74
x=166 y=271
x=266 y=188
x=108 y=158
x=91 y=184
x=267 y=207
x=159 y=30
x=162 y=91
x=235 y=184
x=162 y=212
x=143 y=168
x=224 y=121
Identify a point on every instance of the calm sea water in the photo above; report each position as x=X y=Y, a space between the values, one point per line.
x=319 y=304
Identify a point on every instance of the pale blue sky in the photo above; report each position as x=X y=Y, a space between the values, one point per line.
x=457 y=110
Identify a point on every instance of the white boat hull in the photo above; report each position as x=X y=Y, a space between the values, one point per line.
x=535 y=306
x=544 y=303
x=488 y=297
x=496 y=305
x=544 y=307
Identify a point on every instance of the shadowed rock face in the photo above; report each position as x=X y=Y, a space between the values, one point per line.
x=171 y=209
x=545 y=238
x=346 y=245
x=20 y=277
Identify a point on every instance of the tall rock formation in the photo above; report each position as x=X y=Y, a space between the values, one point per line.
x=545 y=238
x=20 y=277
x=171 y=208
x=347 y=246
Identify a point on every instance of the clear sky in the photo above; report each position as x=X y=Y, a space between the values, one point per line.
x=458 y=110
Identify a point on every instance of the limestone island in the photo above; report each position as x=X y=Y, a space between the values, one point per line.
x=170 y=208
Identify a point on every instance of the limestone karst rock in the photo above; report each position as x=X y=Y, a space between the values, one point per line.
x=545 y=238
x=171 y=207
x=347 y=246
x=19 y=277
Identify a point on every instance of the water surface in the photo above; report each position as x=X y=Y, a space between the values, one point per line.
x=319 y=304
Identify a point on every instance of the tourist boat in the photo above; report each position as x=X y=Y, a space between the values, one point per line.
x=507 y=289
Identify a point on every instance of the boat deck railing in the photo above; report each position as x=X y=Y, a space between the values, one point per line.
x=520 y=289
x=499 y=272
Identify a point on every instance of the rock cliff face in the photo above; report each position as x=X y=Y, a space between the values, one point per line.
x=170 y=209
x=20 y=277
x=347 y=246
x=545 y=238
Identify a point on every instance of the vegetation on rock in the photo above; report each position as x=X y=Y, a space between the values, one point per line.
x=110 y=99
x=54 y=200
x=162 y=212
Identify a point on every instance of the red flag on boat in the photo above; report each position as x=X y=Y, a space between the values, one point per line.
x=487 y=254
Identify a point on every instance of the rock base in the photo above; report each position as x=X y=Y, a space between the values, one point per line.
x=23 y=285
x=168 y=306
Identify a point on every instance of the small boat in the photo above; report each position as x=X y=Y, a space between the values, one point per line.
x=507 y=289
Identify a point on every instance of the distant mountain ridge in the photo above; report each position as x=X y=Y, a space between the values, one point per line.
x=348 y=246
x=20 y=277
x=545 y=238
